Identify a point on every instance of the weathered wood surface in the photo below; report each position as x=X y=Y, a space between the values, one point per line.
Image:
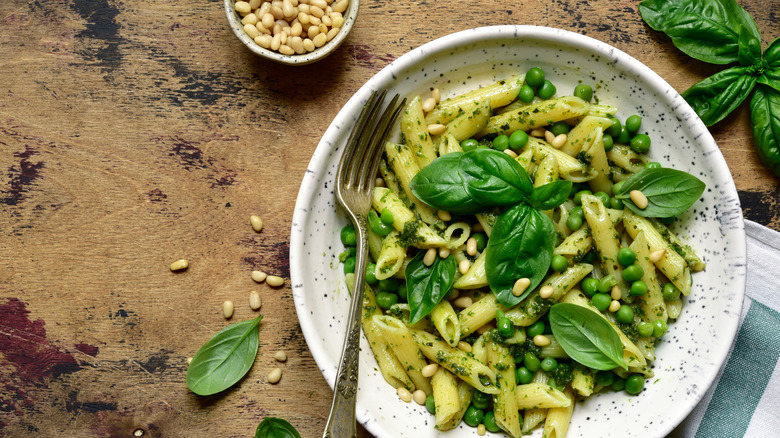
x=135 y=133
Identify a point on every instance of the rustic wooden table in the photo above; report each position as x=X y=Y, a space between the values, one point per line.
x=135 y=133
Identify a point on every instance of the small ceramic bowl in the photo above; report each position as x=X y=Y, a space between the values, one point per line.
x=234 y=19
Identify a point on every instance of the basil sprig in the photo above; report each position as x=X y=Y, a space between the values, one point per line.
x=224 y=359
x=272 y=427
x=669 y=192
x=586 y=336
x=722 y=32
x=427 y=285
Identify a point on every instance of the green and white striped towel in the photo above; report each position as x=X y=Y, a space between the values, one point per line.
x=744 y=400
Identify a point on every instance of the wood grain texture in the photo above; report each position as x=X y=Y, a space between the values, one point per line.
x=136 y=133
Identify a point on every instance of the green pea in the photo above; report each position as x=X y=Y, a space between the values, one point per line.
x=633 y=273
x=603 y=197
x=653 y=165
x=518 y=139
x=371 y=274
x=489 y=420
x=469 y=144
x=559 y=128
x=618 y=384
x=640 y=143
x=535 y=77
x=601 y=301
x=386 y=299
x=590 y=286
x=377 y=226
x=606 y=284
x=546 y=91
x=634 y=384
x=387 y=216
x=614 y=130
x=671 y=292
x=523 y=375
x=348 y=236
x=667 y=220
x=501 y=142
x=481 y=239
x=624 y=137
x=625 y=314
x=638 y=288
x=559 y=263
x=403 y=293
x=617 y=186
x=481 y=400
x=626 y=256
x=549 y=364
x=534 y=329
x=659 y=328
x=592 y=257
x=644 y=329
x=532 y=362
x=430 y=404
x=615 y=204
x=526 y=93
x=584 y=92
x=578 y=196
x=608 y=141
x=577 y=211
x=633 y=123
x=389 y=284
x=506 y=329
x=349 y=265
x=605 y=378
x=473 y=416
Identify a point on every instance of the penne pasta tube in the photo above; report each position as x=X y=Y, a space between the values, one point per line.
x=536 y=115
x=405 y=220
x=465 y=395
x=605 y=238
x=469 y=123
x=689 y=255
x=534 y=416
x=583 y=381
x=652 y=303
x=475 y=277
x=446 y=321
x=576 y=245
x=582 y=134
x=505 y=405
x=414 y=132
x=540 y=396
x=449 y=144
x=556 y=425
x=391 y=257
x=593 y=153
x=569 y=168
x=446 y=397
x=402 y=161
x=625 y=158
x=499 y=94
x=402 y=343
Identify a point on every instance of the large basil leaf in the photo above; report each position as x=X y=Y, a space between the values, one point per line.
x=715 y=97
x=550 y=195
x=705 y=30
x=749 y=48
x=586 y=336
x=440 y=186
x=427 y=285
x=669 y=192
x=224 y=359
x=765 y=115
x=520 y=246
x=272 y=427
x=772 y=53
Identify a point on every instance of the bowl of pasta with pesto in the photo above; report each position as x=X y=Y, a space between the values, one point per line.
x=556 y=245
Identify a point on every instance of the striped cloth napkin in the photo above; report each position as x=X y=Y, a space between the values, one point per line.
x=744 y=400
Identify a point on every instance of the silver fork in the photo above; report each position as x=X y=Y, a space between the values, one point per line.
x=354 y=184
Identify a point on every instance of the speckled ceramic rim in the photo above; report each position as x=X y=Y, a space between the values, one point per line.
x=723 y=197
x=350 y=15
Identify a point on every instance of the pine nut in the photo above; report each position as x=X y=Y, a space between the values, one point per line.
x=180 y=264
x=510 y=152
x=559 y=141
x=316 y=11
x=657 y=255
x=340 y=6
x=283 y=40
x=436 y=94
x=320 y=40
x=296 y=29
x=276 y=42
x=303 y=18
x=254 y=4
x=429 y=104
x=264 y=41
x=274 y=376
x=546 y=291
x=189 y=360
x=308 y=44
x=639 y=199
x=429 y=257
x=243 y=8
x=277 y=12
x=227 y=309
x=323 y=28
x=404 y=394
x=379 y=182
x=520 y=286
x=419 y=397
x=616 y=293
x=249 y=19
x=464 y=266
x=463 y=302
x=464 y=346
x=313 y=31
x=549 y=136
x=541 y=341
x=322 y=4
x=444 y=253
x=453 y=294
x=332 y=33
x=297 y=44
x=254 y=300
x=429 y=370
x=538 y=132
x=337 y=19
x=280 y=356
x=288 y=10
x=327 y=21
x=268 y=20
x=436 y=128
x=274 y=281
x=471 y=246
x=256 y=222
x=259 y=276
x=251 y=31
x=614 y=306
x=314 y=20
x=303 y=7
x=444 y=215
x=481 y=429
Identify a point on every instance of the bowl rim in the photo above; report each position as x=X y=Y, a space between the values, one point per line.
x=448 y=42
x=350 y=16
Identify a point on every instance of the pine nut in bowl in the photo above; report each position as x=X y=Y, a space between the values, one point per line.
x=293 y=32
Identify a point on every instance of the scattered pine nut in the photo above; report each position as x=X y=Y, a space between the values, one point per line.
x=657 y=255
x=429 y=257
x=614 y=306
x=436 y=94
x=616 y=293
x=541 y=341
x=436 y=129
x=464 y=346
x=274 y=376
x=254 y=300
x=419 y=397
x=549 y=136
x=546 y=291
x=429 y=104
x=520 y=286
x=464 y=266
x=180 y=264
x=227 y=309
x=379 y=182
x=559 y=141
x=444 y=253
x=481 y=429
x=463 y=302
x=639 y=199
x=280 y=356
x=538 y=132
x=429 y=370
x=259 y=276
x=189 y=360
x=444 y=215
x=471 y=246
x=454 y=294
x=510 y=152
x=256 y=222
x=404 y=394
x=274 y=281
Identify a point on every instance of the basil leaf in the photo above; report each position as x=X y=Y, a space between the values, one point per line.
x=224 y=359
x=771 y=77
x=749 y=47
x=765 y=115
x=705 y=30
x=520 y=246
x=586 y=336
x=272 y=427
x=551 y=195
x=772 y=53
x=427 y=285
x=669 y=192
x=715 y=97
x=440 y=186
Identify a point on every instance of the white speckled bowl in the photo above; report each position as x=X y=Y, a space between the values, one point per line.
x=350 y=15
x=694 y=348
